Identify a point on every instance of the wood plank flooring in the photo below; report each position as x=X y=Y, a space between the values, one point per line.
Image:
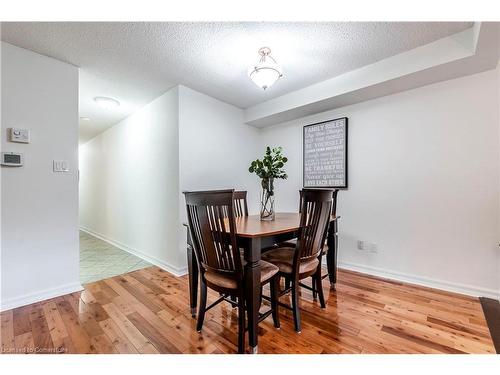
x=146 y=311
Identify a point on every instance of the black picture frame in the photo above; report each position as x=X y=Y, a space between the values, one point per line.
x=346 y=184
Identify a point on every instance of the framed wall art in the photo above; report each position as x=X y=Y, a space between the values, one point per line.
x=325 y=154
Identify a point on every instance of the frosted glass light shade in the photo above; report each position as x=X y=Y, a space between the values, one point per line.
x=266 y=72
x=107 y=103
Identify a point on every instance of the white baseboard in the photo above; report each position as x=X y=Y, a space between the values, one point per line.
x=157 y=262
x=42 y=295
x=370 y=270
x=419 y=280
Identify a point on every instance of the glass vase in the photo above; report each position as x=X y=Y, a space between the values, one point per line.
x=267 y=205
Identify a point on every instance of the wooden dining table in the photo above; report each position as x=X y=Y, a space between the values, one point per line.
x=253 y=235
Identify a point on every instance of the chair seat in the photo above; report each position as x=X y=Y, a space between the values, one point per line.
x=289 y=243
x=293 y=243
x=267 y=270
x=283 y=258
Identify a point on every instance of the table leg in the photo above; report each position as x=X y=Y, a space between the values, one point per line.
x=193 y=277
x=331 y=256
x=252 y=286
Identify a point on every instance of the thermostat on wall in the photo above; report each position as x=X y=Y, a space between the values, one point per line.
x=11 y=159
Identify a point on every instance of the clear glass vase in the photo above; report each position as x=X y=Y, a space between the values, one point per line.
x=267 y=205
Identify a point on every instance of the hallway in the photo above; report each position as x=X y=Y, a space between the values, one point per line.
x=100 y=260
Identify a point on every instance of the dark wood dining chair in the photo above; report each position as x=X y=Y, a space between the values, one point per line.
x=219 y=260
x=292 y=243
x=240 y=203
x=240 y=206
x=304 y=260
x=314 y=287
x=334 y=201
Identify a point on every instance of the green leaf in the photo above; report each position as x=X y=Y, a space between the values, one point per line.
x=269 y=167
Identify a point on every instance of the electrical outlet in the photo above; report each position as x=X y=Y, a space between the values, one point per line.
x=361 y=245
x=367 y=246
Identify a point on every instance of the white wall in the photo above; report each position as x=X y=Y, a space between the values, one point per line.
x=215 y=149
x=129 y=184
x=132 y=176
x=423 y=183
x=39 y=255
x=423 y=174
x=498 y=82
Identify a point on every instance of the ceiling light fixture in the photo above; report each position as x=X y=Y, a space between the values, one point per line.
x=84 y=119
x=105 y=102
x=267 y=71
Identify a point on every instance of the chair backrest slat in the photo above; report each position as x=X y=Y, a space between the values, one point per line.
x=315 y=217
x=212 y=224
x=334 y=202
x=240 y=203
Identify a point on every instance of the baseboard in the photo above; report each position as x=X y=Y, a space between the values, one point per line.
x=370 y=270
x=157 y=262
x=419 y=280
x=43 y=295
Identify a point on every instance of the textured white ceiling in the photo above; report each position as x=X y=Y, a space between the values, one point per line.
x=136 y=62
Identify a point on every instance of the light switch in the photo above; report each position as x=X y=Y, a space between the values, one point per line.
x=60 y=166
x=19 y=135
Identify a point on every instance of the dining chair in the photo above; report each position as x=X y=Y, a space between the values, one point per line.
x=240 y=203
x=219 y=259
x=314 y=287
x=240 y=206
x=304 y=259
x=292 y=243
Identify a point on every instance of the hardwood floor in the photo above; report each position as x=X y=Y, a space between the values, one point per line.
x=146 y=311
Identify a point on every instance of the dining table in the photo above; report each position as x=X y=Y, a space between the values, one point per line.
x=253 y=236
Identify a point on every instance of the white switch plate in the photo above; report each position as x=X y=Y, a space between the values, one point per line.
x=19 y=135
x=60 y=166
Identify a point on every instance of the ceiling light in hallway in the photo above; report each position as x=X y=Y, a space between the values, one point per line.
x=105 y=102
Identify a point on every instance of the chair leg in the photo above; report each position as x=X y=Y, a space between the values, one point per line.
x=295 y=305
x=241 y=324
x=287 y=283
x=317 y=280
x=313 y=285
x=203 y=304
x=232 y=297
x=275 y=292
x=260 y=298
